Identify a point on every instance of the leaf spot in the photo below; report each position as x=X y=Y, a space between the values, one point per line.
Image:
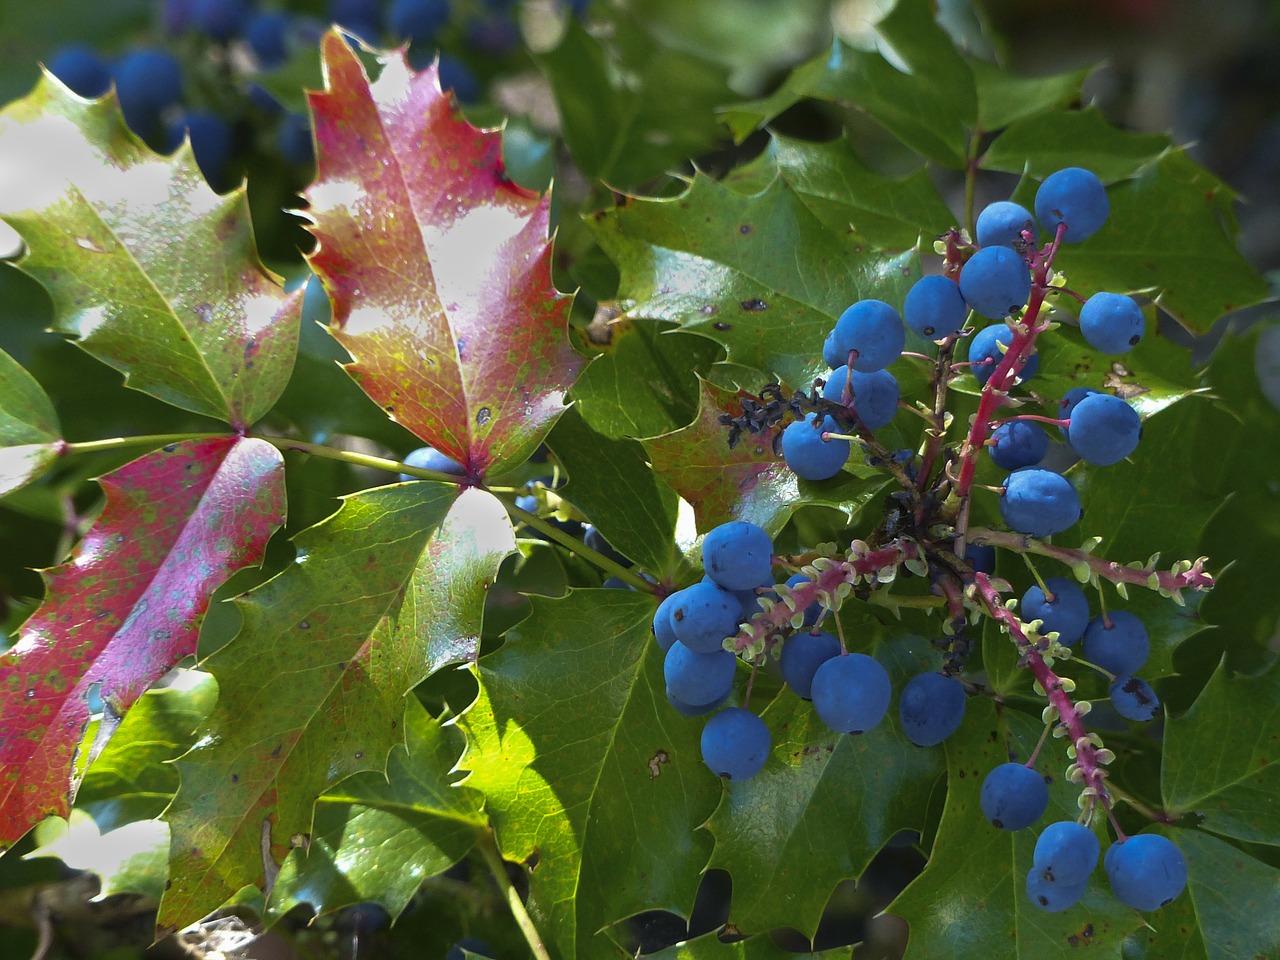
x=754 y=305
x=656 y=762
x=483 y=416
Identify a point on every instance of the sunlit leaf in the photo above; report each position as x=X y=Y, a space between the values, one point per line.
x=29 y=431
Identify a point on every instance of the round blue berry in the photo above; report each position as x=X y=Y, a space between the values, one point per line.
x=851 y=693
x=802 y=654
x=82 y=70
x=934 y=308
x=874 y=396
x=418 y=20
x=1066 y=852
x=429 y=458
x=807 y=454
x=875 y=331
x=996 y=282
x=1075 y=197
x=1002 y=223
x=1018 y=443
x=698 y=678
x=931 y=708
x=1052 y=897
x=1112 y=322
x=735 y=744
x=985 y=352
x=1146 y=872
x=738 y=555
x=1067 y=614
x=1103 y=429
x=704 y=616
x=663 y=632
x=1133 y=698
x=1013 y=796
x=1120 y=646
x=1039 y=502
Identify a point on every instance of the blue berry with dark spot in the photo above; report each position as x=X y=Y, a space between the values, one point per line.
x=1076 y=197
x=1013 y=796
x=735 y=744
x=802 y=655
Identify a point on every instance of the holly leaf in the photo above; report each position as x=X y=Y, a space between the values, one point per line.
x=872 y=785
x=924 y=96
x=1229 y=783
x=377 y=836
x=129 y=859
x=708 y=260
x=437 y=265
x=1231 y=907
x=1005 y=98
x=586 y=769
x=201 y=323
x=971 y=898
x=749 y=482
x=128 y=605
x=709 y=946
x=1047 y=142
x=311 y=691
x=29 y=431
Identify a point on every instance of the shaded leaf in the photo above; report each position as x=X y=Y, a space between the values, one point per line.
x=29 y=431
x=925 y=96
x=129 y=859
x=760 y=947
x=971 y=898
x=1047 y=142
x=1229 y=782
x=128 y=605
x=311 y=691
x=376 y=837
x=708 y=260
x=437 y=265
x=613 y=486
x=199 y=323
x=821 y=808
x=586 y=769
x=1005 y=98
x=748 y=482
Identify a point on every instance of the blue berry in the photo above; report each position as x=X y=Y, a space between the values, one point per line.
x=82 y=70
x=147 y=82
x=704 y=615
x=695 y=709
x=1075 y=197
x=663 y=632
x=1052 y=897
x=1001 y=224
x=851 y=693
x=934 y=308
x=293 y=138
x=1067 y=614
x=981 y=557
x=987 y=344
x=735 y=744
x=831 y=355
x=1133 y=698
x=1146 y=871
x=875 y=331
x=1112 y=322
x=1018 y=443
x=220 y=19
x=874 y=395
x=429 y=458
x=1103 y=429
x=266 y=33
x=698 y=678
x=802 y=654
x=814 y=610
x=1120 y=648
x=1013 y=796
x=457 y=76
x=1039 y=502
x=996 y=282
x=1066 y=852
x=363 y=18
x=210 y=142
x=594 y=539
x=418 y=20
x=738 y=555
x=931 y=708
x=807 y=454
x=1068 y=404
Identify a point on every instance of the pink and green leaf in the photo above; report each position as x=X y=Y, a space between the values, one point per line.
x=151 y=271
x=128 y=605
x=29 y=433
x=438 y=266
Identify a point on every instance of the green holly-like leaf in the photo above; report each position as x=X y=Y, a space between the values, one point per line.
x=586 y=769
x=150 y=270
x=760 y=947
x=129 y=859
x=1229 y=782
x=749 y=482
x=1047 y=142
x=128 y=605
x=925 y=97
x=631 y=107
x=843 y=192
x=377 y=836
x=1004 y=98
x=1230 y=910
x=971 y=899
x=29 y=431
x=437 y=265
x=821 y=808
x=614 y=488
x=708 y=260
x=132 y=778
x=311 y=691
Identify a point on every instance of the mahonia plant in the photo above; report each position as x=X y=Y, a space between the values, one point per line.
x=780 y=554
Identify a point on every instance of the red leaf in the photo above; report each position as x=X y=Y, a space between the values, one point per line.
x=438 y=265
x=128 y=605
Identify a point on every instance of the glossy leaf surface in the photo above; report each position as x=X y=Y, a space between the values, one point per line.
x=128 y=605
x=29 y=429
x=438 y=266
x=150 y=270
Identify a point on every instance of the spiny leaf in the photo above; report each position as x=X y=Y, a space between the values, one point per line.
x=438 y=266
x=29 y=431
x=971 y=899
x=586 y=769
x=1005 y=98
x=1229 y=782
x=128 y=605
x=386 y=591
x=128 y=859
x=1047 y=142
x=761 y=947
x=748 y=482
x=148 y=268
x=376 y=837
x=709 y=261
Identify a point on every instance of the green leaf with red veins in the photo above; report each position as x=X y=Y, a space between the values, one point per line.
x=128 y=605
x=151 y=271
x=438 y=266
x=29 y=431
x=311 y=691
x=749 y=482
